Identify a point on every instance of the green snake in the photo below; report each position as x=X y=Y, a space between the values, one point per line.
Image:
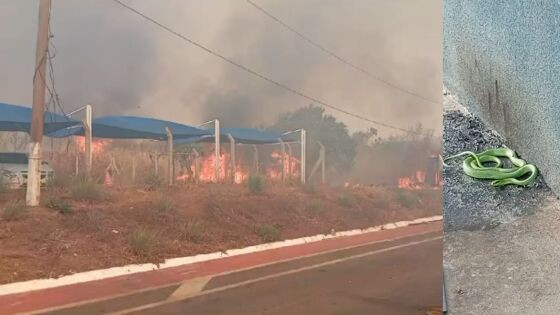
x=474 y=166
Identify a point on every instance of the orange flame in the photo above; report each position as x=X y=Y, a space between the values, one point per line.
x=207 y=171
x=413 y=182
x=97 y=145
x=291 y=166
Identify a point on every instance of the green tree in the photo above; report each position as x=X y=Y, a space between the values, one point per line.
x=339 y=145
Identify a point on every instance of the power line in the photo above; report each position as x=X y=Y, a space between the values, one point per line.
x=344 y=61
x=253 y=72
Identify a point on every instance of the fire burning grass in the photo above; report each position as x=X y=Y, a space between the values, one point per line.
x=184 y=221
x=207 y=172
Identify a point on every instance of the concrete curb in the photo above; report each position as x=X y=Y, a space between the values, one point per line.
x=40 y=284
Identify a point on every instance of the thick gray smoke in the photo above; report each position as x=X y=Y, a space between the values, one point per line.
x=122 y=64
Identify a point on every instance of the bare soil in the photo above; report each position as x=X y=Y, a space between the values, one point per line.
x=48 y=243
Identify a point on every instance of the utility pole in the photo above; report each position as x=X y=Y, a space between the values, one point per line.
x=38 y=112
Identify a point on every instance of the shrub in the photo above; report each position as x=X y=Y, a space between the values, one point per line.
x=142 y=242
x=87 y=191
x=406 y=199
x=255 y=184
x=193 y=230
x=268 y=233
x=14 y=210
x=308 y=188
x=153 y=181
x=345 y=200
x=165 y=205
x=315 y=207
x=59 y=205
x=60 y=180
x=380 y=201
x=3 y=186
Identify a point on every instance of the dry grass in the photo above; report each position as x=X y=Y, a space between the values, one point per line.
x=61 y=180
x=87 y=191
x=59 y=205
x=14 y=210
x=153 y=182
x=164 y=205
x=3 y=186
x=316 y=207
x=255 y=183
x=345 y=200
x=128 y=229
x=142 y=242
x=407 y=199
x=309 y=189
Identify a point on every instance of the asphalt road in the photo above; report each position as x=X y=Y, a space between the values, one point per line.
x=395 y=277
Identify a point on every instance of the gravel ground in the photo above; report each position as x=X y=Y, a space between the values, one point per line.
x=501 y=246
x=473 y=204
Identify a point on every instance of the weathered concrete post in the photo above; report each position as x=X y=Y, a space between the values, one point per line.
x=88 y=134
x=170 y=170
x=256 y=158
x=232 y=157
x=217 y=149
x=283 y=149
x=303 y=139
x=196 y=166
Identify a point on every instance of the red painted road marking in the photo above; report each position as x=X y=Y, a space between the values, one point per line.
x=52 y=297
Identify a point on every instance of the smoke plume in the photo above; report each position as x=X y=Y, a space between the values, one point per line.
x=122 y=64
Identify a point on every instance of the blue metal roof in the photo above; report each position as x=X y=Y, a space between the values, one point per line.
x=242 y=135
x=133 y=127
x=18 y=118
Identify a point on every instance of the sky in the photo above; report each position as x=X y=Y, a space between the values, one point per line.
x=123 y=65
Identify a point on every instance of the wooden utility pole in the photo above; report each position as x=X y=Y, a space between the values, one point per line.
x=38 y=112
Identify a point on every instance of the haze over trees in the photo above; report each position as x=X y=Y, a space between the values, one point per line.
x=362 y=156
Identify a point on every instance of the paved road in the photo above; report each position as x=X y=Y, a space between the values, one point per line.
x=395 y=277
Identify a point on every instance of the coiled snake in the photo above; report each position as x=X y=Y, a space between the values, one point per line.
x=474 y=166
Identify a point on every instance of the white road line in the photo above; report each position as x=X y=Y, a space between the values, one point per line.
x=176 y=298
x=105 y=298
x=191 y=287
x=39 y=284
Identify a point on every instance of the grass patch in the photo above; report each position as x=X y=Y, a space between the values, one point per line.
x=268 y=233
x=87 y=191
x=316 y=207
x=255 y=183
x=153 y=182
x=59 y=205
x=406 y=199
x=14 y=210
x=142 y=242
x=193 y=230
x=165 y=205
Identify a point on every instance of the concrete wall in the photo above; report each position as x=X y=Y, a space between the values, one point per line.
x=502 y=58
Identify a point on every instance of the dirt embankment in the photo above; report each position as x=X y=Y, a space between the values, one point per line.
x=126 y=226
